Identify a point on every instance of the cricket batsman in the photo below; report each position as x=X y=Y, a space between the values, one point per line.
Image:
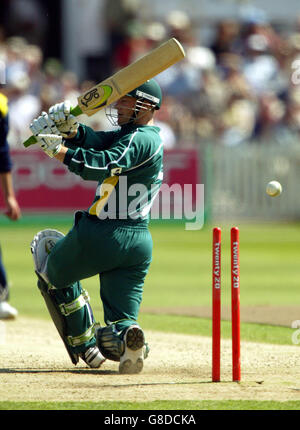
x=111 y=238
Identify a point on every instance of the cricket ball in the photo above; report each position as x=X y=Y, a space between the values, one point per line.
x=274 y=189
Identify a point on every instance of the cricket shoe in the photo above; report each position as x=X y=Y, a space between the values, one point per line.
x=7 y=311
x=132 y=360
x=41 y=246
x=92 y=357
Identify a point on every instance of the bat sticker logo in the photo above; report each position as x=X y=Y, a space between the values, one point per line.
x=102 y=92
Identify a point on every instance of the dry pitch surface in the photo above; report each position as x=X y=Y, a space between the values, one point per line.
x=35 y=367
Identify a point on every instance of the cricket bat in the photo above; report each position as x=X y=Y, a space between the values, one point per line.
x=126 y=80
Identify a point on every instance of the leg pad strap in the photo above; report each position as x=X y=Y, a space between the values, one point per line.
x=68 y=308
x=58 y=319
x=68 y=324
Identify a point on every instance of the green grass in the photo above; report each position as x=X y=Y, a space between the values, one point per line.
x=269 y=260
x=159 y=405
x=202 y=327
x=180 y=275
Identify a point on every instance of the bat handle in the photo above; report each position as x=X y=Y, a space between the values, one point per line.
x=76 y=111
x=30 y=141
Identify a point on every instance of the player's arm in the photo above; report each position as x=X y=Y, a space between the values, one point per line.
x=6 y=184
x=12 y=207
x=56 y=146
x=60 y=156
x=88 y=138
x=60 y=122
x=128 y=153
x=74 y=133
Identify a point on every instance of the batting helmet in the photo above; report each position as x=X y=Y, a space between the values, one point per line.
x=150 y=90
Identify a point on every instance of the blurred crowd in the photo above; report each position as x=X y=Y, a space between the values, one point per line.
x=244 y=86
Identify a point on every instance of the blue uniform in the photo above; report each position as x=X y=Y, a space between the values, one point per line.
x=5 y=166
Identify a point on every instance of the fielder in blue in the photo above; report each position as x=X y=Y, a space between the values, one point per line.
x=13 y=211
x=111 y=238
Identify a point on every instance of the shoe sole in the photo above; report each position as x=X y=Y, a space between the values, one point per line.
x=135 y=340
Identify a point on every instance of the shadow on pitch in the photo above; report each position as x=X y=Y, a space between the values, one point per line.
x=75 y=371
x=96 y=372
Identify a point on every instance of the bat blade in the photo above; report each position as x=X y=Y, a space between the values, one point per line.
x=126 y=80
x=130 y=77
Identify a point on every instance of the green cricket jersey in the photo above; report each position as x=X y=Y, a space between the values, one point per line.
x=126 y=163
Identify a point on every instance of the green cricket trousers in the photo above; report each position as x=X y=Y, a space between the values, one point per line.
x=120 y=252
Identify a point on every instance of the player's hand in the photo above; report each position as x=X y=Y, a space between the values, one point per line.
x=50 y=143
x=13 y=211
x=63 y=119
x=43 y=125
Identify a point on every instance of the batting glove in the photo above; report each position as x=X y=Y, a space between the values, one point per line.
x=43 y=125
x=50 y=143
x=63 y=119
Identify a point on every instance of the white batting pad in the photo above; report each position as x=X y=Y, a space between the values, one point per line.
x=41 y=246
